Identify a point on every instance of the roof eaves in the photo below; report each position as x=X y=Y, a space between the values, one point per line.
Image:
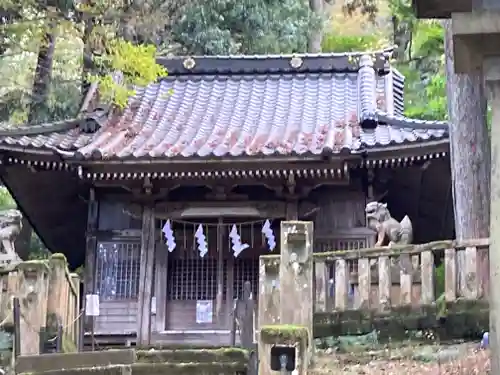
x=406 y=122
x=40 y=129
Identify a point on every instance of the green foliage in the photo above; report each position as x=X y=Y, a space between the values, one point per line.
x=439 y=279
x=421 y=61
x=6 y=200
x=137 y=65
x=221 y=27
x=351 y=43
x=425 y=86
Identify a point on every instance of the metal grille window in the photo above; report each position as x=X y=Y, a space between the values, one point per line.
x=193 y=279
x=117 y=269
x=245 y=270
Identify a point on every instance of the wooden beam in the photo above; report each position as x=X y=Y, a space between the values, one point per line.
x=261 y=209
x=146 y=276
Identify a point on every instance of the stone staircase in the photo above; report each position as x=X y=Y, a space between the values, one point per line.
x=216 y=361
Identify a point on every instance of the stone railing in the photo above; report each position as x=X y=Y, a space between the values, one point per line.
x=49 y=303
x=381 y=278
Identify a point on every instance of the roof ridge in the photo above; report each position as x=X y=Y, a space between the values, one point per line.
x=284 y=63
x=399 y=121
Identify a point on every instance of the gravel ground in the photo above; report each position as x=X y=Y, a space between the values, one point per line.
x=463 y=359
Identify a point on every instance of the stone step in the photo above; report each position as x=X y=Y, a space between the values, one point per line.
x=219 y=355
x=56 y=361
x=223 y=368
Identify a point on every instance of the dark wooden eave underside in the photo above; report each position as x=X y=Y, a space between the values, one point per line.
x=440 y=8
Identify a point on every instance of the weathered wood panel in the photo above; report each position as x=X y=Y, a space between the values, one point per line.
x=116 y=318
x=339 y=208
x=181 y=315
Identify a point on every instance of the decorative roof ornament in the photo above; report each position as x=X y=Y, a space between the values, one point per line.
x=296 y=62
x=189 y=63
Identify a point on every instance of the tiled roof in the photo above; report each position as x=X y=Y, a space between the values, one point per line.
x=245 y=106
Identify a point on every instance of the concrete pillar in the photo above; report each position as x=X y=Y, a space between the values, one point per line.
x=491 y=68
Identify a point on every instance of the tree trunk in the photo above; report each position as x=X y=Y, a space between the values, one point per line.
x=470 y=156
x=314 y=43
x=43 y=75
x=88 y=64
x=38 y=110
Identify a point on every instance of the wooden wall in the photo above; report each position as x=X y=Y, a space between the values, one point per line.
x=339 y=208
x=424 y=194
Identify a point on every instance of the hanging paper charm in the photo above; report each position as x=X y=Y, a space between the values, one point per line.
x=169 y=236
x=267 y=231
x=238 y=247
x=201 y=240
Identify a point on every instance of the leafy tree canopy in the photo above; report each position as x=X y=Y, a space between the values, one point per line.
x=219 y=27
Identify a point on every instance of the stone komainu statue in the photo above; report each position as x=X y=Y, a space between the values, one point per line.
x=380 y=220
x=10 y=227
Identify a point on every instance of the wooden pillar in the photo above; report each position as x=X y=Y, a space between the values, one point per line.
x=90 y=260
x=146 y=276
x=492 y=78
x=292 y=209
x=75 y=279
x=161 y=285
x=219 y=311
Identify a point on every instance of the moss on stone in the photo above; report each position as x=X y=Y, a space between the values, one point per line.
x=58 y=257
x=33 y=265
x=205 y=355
x=462 y=318
x=68 y=345
x=284 y=334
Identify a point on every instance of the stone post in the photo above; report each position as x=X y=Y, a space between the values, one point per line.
x=293 y=328
x=491 y=71
x=296 y=275
x=33 y=295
